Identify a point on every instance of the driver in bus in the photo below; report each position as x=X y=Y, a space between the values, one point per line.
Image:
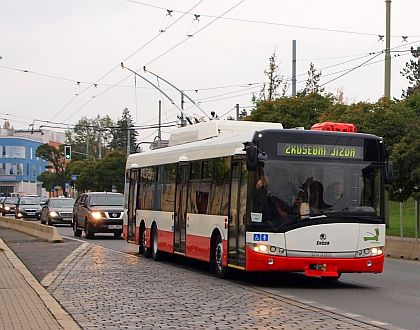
x=271 y=207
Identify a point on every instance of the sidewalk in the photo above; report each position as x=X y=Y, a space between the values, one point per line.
x=24 y=303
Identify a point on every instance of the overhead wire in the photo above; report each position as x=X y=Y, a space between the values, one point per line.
x=161 y=55
x=278 y=24
x=130 y=56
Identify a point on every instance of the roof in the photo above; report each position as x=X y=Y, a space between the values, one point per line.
x=207 y=140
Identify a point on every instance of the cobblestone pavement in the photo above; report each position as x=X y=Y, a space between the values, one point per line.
x=110 y=290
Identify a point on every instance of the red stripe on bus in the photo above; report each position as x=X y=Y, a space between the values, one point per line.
x=261 y=262
x=198 y=247
x=165 y=241
x=125 y=231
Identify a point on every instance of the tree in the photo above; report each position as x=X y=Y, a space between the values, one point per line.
x=48 y=179
x=312 y=83
x=55 y=157
x=86 y=175
x=300 y=111
x=275 y=80
x=86 y=136
x=406 y=160
x=119 y=133
x=110 y=172
x=412 y=73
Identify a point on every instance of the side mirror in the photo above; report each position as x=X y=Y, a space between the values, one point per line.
x=251 y=157
x=389 y=172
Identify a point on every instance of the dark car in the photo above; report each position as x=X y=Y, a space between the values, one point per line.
x=9 y=205
x=28 y=207
x=98 y=212
x=57 y=210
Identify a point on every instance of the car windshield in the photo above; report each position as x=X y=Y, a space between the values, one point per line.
x=62 y=202
x=11 y=200
x=112 y=200
x=29 y=201
x=290 y=191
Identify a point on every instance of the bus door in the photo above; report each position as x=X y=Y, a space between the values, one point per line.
x=237 y=217
x=132 y=205
x=181 y=207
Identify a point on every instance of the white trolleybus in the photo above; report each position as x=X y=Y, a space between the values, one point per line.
x=257 y=197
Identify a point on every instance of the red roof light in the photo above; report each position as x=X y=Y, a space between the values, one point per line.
x=337 y=127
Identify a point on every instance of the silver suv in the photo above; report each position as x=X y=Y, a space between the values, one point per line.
x=98 y=212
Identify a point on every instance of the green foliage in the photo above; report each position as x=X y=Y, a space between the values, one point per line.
x=406 y=160
x=119 y=133
x=48 y=179
x=57 y=161
x=312 y=83
x=270 y=90
x=303 y=110
x=84 y=138
x=110 y=172
x=86 y=180
x=412 y=73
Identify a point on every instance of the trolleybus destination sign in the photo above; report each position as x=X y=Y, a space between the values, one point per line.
x=319 y=150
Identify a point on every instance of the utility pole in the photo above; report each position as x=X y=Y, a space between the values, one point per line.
x=128 y=135
x=387 y=90
x=160 y=124
x=293 y=67
x=100 y=142
x=237 y=111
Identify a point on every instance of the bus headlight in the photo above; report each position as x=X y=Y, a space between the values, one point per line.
x=267 y=249
x=370 y=252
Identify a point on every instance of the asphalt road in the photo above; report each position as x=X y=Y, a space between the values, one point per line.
x=392 y=297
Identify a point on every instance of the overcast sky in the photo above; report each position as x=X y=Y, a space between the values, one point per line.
x=72 y=51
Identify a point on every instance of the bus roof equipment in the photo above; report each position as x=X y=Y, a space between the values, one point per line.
x=337 y=127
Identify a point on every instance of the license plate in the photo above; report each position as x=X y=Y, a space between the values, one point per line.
x=114 y=226
x=30 y=213
x=67 y=219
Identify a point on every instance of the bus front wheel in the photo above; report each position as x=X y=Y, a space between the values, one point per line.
x=220 y=270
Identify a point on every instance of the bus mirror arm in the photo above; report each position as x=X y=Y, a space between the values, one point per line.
x=251 y=156
x=389 y=172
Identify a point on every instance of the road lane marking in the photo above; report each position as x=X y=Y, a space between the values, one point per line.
x=50 y=277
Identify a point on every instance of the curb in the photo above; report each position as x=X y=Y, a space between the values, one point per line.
x=404 y=248
x=62 y=317
x=47 y=233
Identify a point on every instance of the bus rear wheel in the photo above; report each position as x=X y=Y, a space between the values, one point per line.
x=217 y=259
x=142 y=240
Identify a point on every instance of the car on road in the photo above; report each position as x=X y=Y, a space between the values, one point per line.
x=28 y=207
x=57 y=210
x=98 y=212
x=9 y=205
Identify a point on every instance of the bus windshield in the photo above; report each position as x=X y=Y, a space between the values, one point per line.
x=291 y=191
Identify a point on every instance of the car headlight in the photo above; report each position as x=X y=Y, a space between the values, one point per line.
x=96 y=215
x=7 y=208
x=53 y=214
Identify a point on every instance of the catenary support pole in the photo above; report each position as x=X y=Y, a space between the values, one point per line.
x=294 y=68
x=387 y=90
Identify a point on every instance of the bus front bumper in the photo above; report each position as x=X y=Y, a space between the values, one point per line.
x=318 y=267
